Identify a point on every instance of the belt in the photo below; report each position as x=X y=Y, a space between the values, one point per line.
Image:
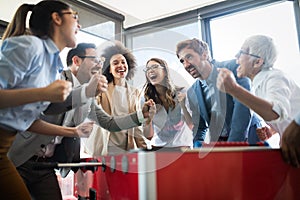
x=41 y=159
x=7 y=131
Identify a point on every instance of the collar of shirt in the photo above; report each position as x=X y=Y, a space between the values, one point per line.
x=260 y=77
x=212 y=78
x=51 y=48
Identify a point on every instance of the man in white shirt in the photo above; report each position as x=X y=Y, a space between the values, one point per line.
x=276 y=97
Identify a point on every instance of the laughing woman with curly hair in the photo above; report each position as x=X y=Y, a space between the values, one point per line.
x=121 y=97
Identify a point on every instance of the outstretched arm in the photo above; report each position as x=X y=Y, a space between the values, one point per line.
x=45 y=128
x=117 y=123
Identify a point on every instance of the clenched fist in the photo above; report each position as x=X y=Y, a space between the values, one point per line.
x=96 y=85
x=57 y=91
x=265 y=133
x=149 y=110
x=181 y=96
x=84 y=129
x=226 y=81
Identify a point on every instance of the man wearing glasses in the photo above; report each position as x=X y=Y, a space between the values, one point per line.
x=223 y=116
x=30 y=149
x=276 y=97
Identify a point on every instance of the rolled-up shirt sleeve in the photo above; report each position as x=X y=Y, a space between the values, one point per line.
x=274 y=87
x=279 y=95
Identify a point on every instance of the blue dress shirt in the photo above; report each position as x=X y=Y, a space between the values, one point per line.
x=26 y=62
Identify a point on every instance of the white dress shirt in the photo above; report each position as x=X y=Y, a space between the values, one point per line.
x=276 y=87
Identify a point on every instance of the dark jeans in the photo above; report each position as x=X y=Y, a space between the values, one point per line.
x=41 y=183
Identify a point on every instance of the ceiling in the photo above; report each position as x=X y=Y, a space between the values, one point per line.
x=141 y=11
x=135 y=11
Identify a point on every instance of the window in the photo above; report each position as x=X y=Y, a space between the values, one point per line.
x=81 y=36
x=99 y=24
x=98 y=20
x=161 y=43
x=3 y=25
x=275 y=20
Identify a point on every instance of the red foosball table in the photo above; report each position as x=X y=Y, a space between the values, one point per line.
x=241 y=173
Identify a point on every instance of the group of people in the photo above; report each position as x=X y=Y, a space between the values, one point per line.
x=45 y=109
x=249 y=83
x=34 y=102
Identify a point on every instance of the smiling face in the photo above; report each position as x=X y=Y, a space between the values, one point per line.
x=155 y=73
x=88 y=65
x=197 y=66
x=247 y=63
x=118 y=66
x=69 y=27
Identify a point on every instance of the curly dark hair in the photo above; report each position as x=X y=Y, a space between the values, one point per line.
x=118 y=48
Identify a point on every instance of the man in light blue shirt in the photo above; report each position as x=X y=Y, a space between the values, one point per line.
x=30 y=148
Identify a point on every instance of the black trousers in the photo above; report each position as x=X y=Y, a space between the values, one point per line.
x=41 y=183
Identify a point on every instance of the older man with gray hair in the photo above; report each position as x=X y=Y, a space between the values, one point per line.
x=276 y=97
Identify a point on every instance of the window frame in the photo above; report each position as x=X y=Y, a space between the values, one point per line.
x=221 y=9
x=102 y=11
x=3 y=25
x=204 y=15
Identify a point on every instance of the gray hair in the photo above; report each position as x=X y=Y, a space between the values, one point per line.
x=262 y=46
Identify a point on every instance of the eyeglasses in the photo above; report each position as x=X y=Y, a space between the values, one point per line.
x=153 y=67
x=188 y=57
x=243 y=52
x=96 y=60
x=74 y=13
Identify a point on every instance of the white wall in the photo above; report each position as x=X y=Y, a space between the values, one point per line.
x=8 y=8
